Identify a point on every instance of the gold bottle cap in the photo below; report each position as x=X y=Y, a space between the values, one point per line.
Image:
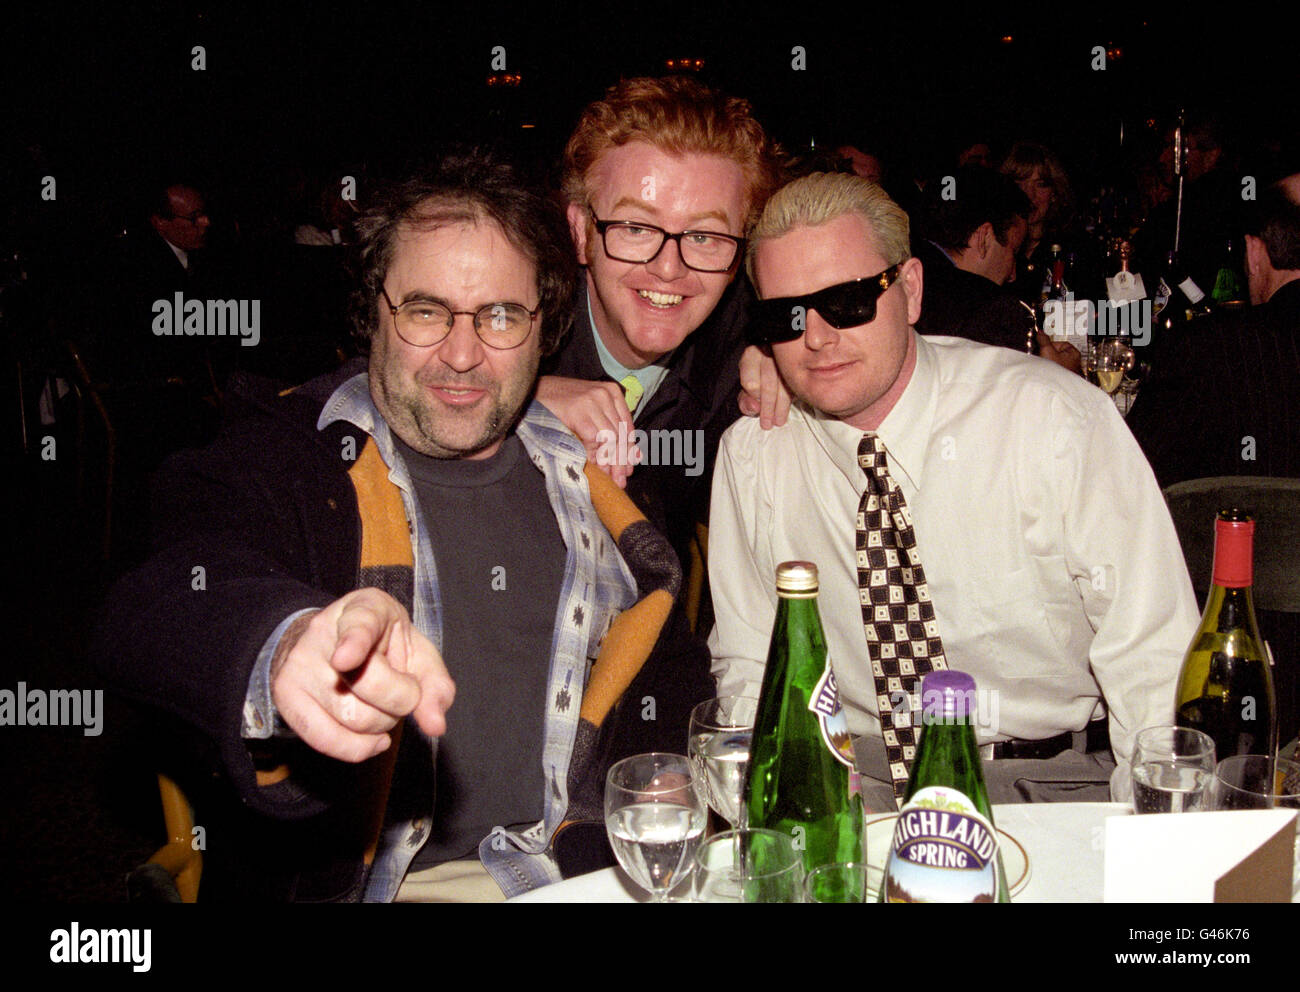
x=796 y=578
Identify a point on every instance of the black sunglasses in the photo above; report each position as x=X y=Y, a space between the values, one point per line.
x=846 y=304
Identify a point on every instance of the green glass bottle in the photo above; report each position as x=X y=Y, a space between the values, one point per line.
x=945 y=846
x=801 y=778
x=1225 y=688
x=1228 y=281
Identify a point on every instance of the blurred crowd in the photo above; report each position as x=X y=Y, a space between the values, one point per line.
x=97 y=366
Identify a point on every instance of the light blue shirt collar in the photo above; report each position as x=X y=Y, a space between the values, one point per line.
x=650 y=377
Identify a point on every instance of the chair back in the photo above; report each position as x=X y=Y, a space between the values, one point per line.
x=1275 y=505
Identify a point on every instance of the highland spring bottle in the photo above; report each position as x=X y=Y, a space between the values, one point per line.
x=801 y=779
x=945 y=847
x=1225 y=688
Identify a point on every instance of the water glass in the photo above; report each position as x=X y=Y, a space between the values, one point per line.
x=1172 y=770
x=720 y=733
x=748 y=866
x=655 y=819
x=1256 y=781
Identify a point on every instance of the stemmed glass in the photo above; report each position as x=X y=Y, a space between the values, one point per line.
x=655 y=819
x=1172 y=770
x=1109 y=359
x=720 y=733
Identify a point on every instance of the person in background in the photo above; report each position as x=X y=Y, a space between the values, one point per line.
x=969 y=230
x=1042 y=178
x=1212 y=208
x=1257 y=349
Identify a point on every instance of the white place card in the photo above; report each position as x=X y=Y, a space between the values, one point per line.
x=1069 y=320
x=1238 y=856
x=1123 y=287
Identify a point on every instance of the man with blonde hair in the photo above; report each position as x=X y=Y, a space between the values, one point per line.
x=663 y=178
x=1006 y=522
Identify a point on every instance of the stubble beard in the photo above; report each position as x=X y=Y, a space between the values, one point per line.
x=413 y=416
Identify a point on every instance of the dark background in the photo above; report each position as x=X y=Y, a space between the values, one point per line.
x=103 y=98
x=109 y=94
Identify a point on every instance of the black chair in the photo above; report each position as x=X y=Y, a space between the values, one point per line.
x=1275 y=505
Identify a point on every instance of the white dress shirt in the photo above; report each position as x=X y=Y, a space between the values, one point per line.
x=1055 y=572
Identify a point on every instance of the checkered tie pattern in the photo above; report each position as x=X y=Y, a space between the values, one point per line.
x=902 y=633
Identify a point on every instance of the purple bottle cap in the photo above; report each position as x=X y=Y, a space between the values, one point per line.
x=947 y=695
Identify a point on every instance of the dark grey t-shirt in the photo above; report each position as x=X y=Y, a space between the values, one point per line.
x=500 y=561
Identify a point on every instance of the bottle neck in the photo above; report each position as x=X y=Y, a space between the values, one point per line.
x=1232 y=607
x=948 y=754
x=798 y=623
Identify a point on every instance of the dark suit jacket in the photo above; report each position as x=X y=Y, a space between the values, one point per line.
x=119 y=338
x=1228 y=402
x=965 y=305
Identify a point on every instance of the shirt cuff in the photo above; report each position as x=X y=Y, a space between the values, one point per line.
x=261 y=721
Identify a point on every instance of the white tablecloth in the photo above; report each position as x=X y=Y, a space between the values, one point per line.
x=1063 y=842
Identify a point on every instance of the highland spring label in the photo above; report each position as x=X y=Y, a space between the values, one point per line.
x=831 y=718
x=943 y=851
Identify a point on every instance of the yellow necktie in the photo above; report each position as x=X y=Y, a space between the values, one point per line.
x=632 y=390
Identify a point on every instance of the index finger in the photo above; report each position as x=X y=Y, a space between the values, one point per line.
x=361 y=630
x=385 y=681
x=437 y=690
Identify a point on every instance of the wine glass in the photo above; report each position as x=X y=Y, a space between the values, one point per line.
x=720 y=733
x=1110 y=359
x=655 y=819
x=748 y=866
x=1172 y=770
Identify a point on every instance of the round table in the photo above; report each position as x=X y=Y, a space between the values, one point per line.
x=1063 y=841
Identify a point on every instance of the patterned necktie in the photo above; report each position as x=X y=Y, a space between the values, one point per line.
x=902 y=633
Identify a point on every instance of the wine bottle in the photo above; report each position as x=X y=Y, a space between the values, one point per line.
x=1053 y=278
x=1228 y=282
x=1178 y=298
x=1225 y=687
x=801 y=778
x=945 y=846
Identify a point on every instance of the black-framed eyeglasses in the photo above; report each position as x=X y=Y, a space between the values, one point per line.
x=423 y=323
x=192 y=218
x=633 y=241
x=846 y=304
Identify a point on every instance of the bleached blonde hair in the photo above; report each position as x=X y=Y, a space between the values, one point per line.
x=822 y=197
